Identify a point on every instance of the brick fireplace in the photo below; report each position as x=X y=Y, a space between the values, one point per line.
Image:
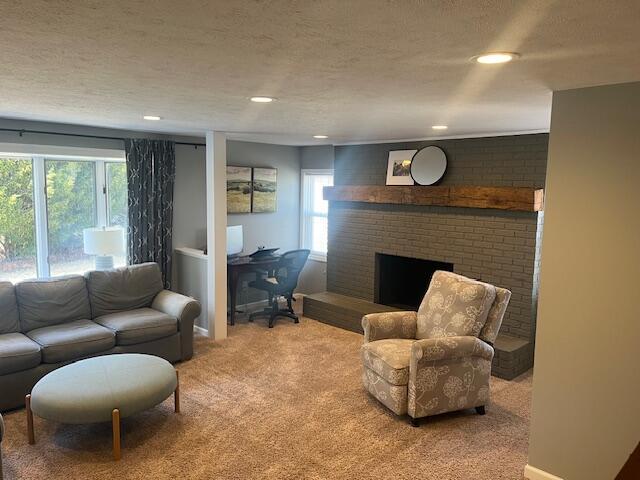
x=496 y=246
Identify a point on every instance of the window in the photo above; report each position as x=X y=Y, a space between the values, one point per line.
x=17 y=217
x=71 y=207
x=48 y=199
x=314 y=212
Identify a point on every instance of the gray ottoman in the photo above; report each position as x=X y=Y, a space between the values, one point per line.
x=103 y=389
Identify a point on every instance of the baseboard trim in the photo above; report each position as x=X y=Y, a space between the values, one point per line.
x=259 y=303
x=200 y=330
x=533 y=473
x=244 y=306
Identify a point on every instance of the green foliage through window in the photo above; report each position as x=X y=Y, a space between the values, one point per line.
x=71 y=200
x=17 y=227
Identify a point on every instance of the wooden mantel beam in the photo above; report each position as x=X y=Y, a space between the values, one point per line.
x=502 y=198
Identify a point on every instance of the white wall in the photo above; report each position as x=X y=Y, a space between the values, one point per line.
x=586 y=387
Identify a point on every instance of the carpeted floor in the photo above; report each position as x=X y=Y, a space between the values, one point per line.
x=281 y=403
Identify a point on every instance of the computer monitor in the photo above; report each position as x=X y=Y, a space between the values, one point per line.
x=235 y=240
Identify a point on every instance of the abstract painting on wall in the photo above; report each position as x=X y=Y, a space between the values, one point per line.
x=238 y=189
x=264 y=190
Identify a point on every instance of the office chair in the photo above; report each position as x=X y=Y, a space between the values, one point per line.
x=282 y=283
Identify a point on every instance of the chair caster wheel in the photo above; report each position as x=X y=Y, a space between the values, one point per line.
x=481 y=410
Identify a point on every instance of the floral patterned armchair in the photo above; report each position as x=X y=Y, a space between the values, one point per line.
x=437 y=359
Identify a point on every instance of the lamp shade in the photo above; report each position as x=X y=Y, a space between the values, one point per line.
x=103 y=241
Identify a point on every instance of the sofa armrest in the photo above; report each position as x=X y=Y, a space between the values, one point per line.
x=450 y=348
x=378 y=326
x=185 y=309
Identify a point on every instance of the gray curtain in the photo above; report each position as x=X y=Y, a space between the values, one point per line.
x=151 y=166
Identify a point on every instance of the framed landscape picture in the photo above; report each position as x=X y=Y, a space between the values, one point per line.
x=399 y=167
x=238 y=189
x=264 y=190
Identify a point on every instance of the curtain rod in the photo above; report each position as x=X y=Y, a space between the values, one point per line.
x=22 y=131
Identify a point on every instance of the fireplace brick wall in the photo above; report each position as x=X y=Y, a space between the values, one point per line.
x=499 y=247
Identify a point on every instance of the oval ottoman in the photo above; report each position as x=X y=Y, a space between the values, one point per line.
x=102 y=389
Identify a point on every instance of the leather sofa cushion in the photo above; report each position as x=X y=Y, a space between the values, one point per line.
x=9 y=320
x=121 y=289
x=73 y=340
x=141 y=325
x=389 y=359
x=17 y=353
x=47 y=302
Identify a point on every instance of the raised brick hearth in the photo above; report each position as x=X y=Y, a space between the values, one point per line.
x=499 y=247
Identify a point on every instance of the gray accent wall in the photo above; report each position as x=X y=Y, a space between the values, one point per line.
x=510 y=161
x=314 y=277
x=279 y=229
x=317 y=157
x=190 y=198
x=495 y=246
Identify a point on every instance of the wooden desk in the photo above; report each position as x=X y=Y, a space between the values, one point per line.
x=239 y=265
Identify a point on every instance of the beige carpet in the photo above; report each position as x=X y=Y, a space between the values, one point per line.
x=285 y=403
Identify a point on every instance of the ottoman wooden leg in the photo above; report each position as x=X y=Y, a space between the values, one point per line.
x=30 y=433
x=115 y=422
x=176 y=394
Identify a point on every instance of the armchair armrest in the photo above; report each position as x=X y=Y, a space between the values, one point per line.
x=378 y=326
x=185 y=309
x=450 y=348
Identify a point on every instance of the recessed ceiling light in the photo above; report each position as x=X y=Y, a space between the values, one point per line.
x=262 y=99
x=496 y=57
x=320 y=137
x=154 y=118
x=439 y=127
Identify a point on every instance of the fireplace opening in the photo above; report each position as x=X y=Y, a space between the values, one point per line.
x=401 y=282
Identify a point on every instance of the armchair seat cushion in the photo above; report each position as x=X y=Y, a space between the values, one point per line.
x=140 y=325
x=17 y=353
x=73 y=340
x=389 y=359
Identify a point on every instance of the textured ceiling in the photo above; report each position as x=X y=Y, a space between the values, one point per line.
x=356 y=70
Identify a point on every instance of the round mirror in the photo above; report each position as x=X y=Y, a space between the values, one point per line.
x=428 y=165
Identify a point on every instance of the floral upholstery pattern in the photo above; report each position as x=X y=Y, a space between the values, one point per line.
x=378 y=326
x=394 y=397
x=449 y=348
x=389 y=359
x=489 y=332
x=454 y=305
x=439 y=386
x=446 y=346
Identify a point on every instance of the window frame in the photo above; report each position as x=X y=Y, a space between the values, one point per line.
x=39 y=154
x=304 y=216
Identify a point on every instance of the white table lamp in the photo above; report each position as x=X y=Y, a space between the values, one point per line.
x=103 y=243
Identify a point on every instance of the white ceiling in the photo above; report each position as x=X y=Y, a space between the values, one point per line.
x=356 y=70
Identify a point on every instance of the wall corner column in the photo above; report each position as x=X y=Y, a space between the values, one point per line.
x=216 y=173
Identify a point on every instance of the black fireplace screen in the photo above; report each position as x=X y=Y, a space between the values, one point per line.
x=401 y=282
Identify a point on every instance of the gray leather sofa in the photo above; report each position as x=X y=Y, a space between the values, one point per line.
x=45 y=324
